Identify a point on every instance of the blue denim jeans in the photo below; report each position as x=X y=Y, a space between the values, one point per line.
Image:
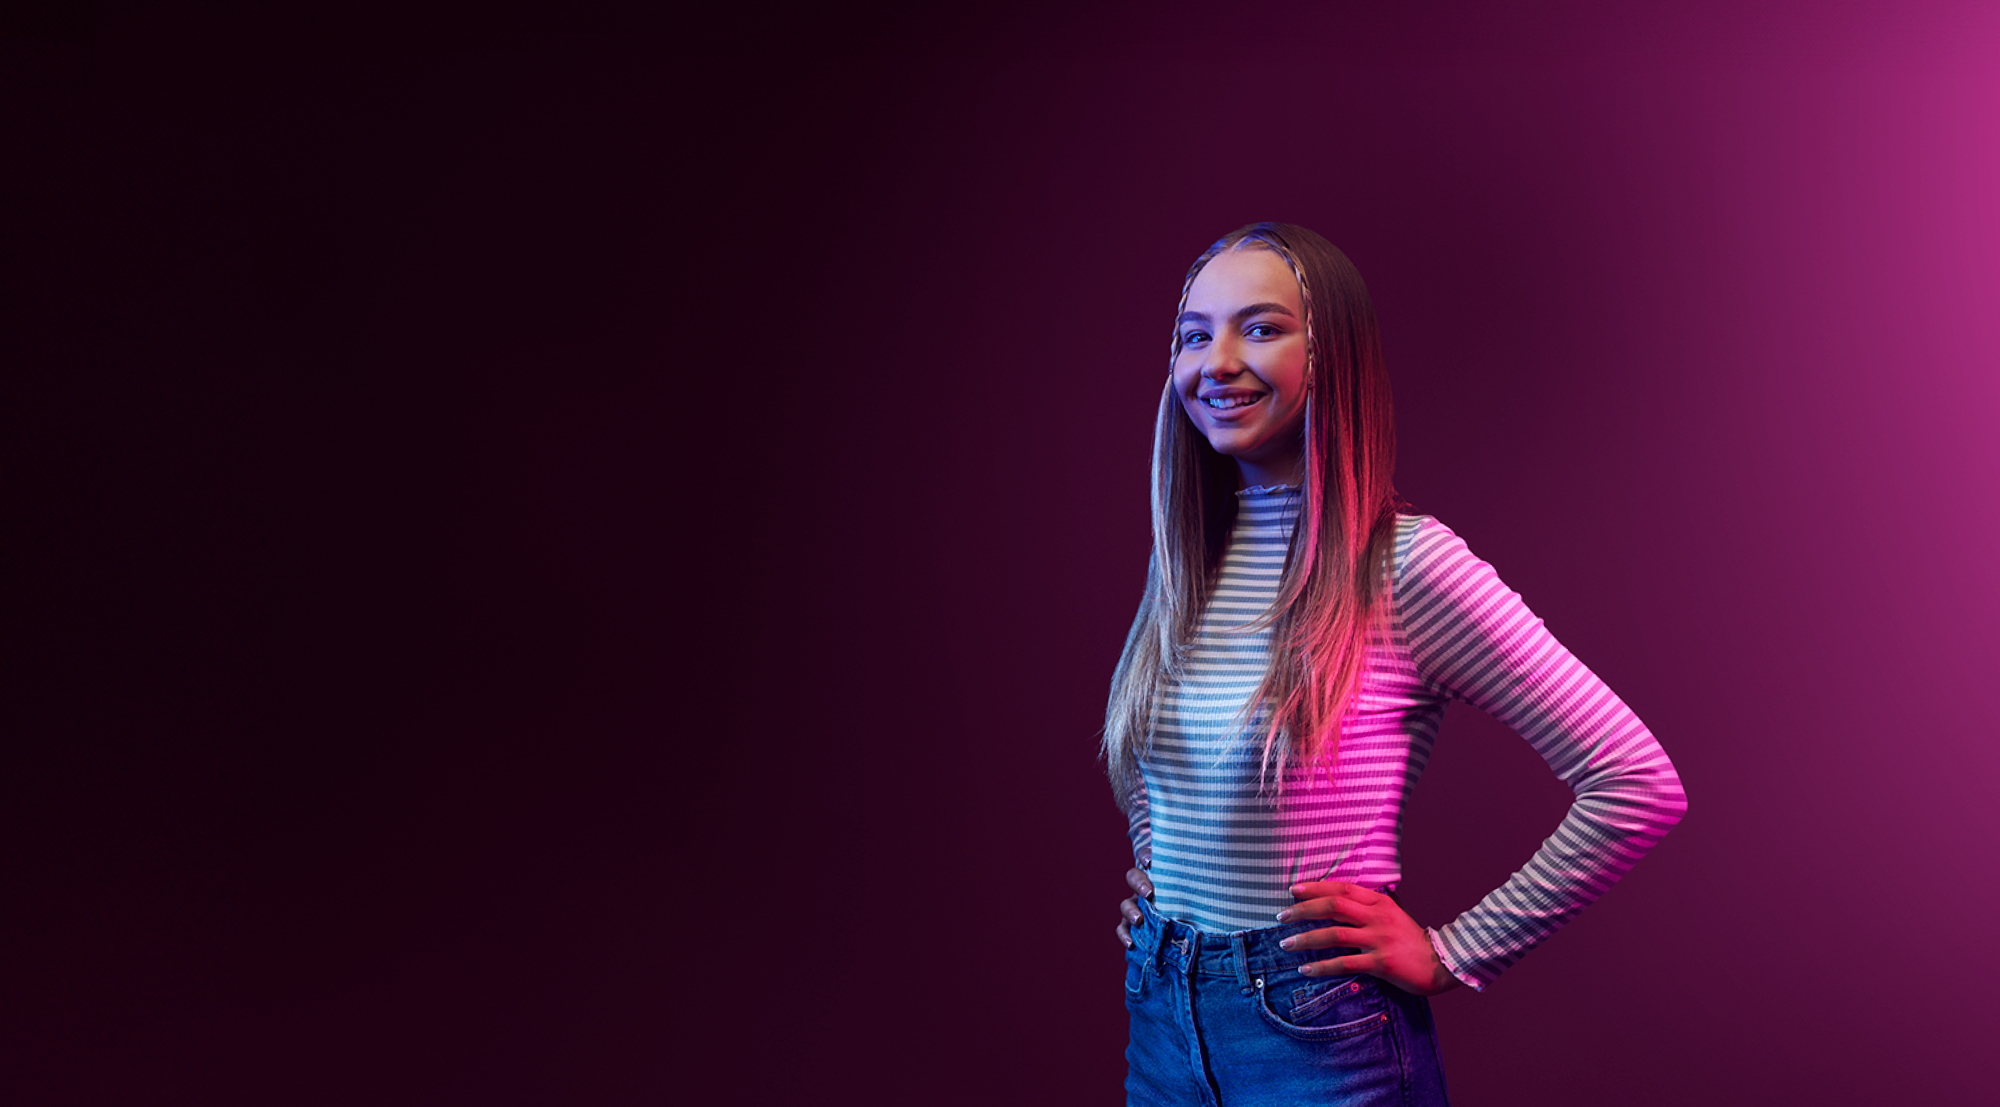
x=1225 y=1020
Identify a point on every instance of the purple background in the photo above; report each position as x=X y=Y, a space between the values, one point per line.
x=556 y=571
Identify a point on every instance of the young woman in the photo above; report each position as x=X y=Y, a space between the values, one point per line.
x=1277 y=700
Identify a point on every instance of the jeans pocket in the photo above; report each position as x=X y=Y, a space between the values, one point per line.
x=1320 y=1011
x=1136 y=969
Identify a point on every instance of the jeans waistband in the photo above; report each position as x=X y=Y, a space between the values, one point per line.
x=1240 y=953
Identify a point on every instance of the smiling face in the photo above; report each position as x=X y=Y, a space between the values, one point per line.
x=1241 y=370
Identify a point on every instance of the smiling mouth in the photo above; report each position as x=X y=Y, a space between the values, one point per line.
x=1230 y=403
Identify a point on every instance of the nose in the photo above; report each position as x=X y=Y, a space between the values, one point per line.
x=1222 y=360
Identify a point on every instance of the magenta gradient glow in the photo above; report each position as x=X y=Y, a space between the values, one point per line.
x=1693 y=338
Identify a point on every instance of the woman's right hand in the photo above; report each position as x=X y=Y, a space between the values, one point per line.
x=1128 y=911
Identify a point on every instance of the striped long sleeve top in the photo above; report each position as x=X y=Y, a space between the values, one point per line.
x=1225 y=851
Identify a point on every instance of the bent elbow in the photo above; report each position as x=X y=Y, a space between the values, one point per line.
x=1671 y=800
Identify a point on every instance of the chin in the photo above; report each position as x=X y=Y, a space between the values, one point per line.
x=1234 y=446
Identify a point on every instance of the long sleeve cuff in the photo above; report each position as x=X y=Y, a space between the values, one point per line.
x=1444 y=958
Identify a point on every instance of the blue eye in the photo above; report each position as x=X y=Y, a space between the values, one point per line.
x=1192 y=337
x=1265 y=330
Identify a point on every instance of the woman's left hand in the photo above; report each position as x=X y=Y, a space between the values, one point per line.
x=1393 y=947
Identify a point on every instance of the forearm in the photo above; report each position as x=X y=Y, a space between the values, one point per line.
x=1139 y=824
x=1603 y=835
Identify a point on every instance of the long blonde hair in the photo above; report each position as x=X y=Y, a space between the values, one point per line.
x=1331 y=593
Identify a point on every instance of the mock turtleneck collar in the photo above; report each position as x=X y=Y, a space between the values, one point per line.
x=1267 y=490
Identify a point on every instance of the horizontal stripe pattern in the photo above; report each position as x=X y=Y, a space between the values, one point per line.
x=1225 y=849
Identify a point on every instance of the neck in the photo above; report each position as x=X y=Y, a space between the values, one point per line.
x=1287 y=470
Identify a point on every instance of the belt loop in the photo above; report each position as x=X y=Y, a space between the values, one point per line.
x=1239 y=945
x=1163 y=932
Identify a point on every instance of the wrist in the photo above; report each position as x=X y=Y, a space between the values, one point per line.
x=1444 y=966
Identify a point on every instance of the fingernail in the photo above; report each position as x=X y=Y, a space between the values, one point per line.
x=1288 y=943
x=1285 y=915
x=1146 y=888
x=1128 y=943
x=1306 y=969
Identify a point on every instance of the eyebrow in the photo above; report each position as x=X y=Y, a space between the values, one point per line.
x=1242 y=313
